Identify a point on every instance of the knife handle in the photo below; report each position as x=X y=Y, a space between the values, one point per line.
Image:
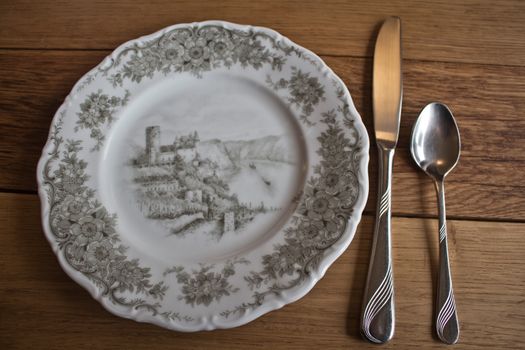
x=378 y=316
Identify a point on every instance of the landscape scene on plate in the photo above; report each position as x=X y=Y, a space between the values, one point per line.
x=192 y=186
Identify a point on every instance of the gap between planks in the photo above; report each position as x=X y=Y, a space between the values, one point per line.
x=320 y=54
x=365 y=212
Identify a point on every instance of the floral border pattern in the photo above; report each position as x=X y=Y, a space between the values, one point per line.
x=195 y=50
x=85 y=231
x=204 y=286
x=304 y=90
x=198 y=50
x=96 y=110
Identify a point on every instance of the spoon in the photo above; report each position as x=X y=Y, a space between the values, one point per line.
x=435 y=146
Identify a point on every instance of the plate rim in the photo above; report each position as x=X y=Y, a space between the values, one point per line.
x=268 y=305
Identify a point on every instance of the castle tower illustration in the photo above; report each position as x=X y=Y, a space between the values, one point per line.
x=152 y=143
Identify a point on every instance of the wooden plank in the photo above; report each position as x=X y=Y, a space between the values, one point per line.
x=460 y=31
x=28 y=100
x=488 y=102
x=42 y=308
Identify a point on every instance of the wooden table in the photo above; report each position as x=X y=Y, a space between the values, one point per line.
x=468 y=54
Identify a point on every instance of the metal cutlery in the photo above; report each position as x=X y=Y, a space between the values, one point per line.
x=435 y=147
x=378 y=315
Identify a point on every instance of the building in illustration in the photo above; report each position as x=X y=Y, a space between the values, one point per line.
x=183 y=146
x=152 y=144
x=161 y=186
x=184 y=188
x=229 y=222
x=193 y=196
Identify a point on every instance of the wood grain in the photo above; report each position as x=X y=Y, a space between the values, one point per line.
x=41 y=308
x=488 y=102
x=460 y=31
x=468 y=54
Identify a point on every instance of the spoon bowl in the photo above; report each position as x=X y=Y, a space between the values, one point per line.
x=436 y=144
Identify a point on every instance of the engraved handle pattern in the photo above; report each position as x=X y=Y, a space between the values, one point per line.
x=377 y=318
x=447 y=324
x=380 y=298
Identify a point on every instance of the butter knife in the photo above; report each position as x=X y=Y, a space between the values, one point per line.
x=378 y=314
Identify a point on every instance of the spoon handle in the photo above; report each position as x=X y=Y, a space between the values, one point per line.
x=377 y=316
x=447 y=324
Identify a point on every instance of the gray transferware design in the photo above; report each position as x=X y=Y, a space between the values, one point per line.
x=203 y=175
x=188 y=183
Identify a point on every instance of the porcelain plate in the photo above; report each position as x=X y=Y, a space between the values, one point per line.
x=203 y=175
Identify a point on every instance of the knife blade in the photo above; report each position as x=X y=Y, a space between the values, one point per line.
x=378 y=312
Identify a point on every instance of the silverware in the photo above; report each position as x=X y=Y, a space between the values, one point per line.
x=435 y=147
x=377 y=317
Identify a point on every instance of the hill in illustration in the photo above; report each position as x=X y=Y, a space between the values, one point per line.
x=186 y=183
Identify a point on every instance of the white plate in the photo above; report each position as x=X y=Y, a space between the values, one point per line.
x=203 y=175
